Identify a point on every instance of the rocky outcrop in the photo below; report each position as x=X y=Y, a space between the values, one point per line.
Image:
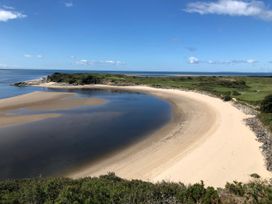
x=31 y=82
x=20 y=84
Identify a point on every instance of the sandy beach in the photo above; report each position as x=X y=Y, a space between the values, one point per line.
x=206 y=139
x=40 y=101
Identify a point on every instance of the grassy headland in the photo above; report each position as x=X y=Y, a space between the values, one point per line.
x=246 y=90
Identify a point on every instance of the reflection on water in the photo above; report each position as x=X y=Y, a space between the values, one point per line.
x=56 y=146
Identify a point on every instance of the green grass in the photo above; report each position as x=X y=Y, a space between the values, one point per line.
x=266 y=119
x=259 y=87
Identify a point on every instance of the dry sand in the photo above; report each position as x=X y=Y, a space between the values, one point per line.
x=206 y=140
x=39 y=101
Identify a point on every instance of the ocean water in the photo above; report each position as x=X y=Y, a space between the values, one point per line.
x=8 y=77
x=55 y=147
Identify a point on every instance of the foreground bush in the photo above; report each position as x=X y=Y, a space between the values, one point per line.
x=112 y=189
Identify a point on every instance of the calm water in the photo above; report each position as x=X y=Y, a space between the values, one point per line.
x=54 y=147
x=8 y=77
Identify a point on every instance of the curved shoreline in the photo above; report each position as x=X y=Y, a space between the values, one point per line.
x=211 y=143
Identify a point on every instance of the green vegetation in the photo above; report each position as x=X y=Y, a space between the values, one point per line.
x=248 y=90
x=266 y=105
x=227 y=98
x=112 y=189
x=266 y=111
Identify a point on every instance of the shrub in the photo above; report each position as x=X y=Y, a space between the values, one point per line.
x=226 y=98
x=254 y=175
x=266 y=105
x=239 y=84
x=236 y=188
x=112 y=189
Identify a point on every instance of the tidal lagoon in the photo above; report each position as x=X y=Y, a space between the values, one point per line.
x=81 y=135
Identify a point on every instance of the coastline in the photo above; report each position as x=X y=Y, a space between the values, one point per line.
x=207 y=140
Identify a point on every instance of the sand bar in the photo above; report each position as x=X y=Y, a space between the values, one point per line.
x=40 y=101
x=207 y=140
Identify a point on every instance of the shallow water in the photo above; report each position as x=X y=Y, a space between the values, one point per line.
x=57 y=146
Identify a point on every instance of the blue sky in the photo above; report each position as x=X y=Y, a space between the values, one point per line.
x=148 y=35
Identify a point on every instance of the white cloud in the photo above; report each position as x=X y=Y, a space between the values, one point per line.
x=68 y=4
x=253 y=8
x=109 y=62
x=248 y=61
x=252 y=61
x=113 y=62
x=39 y=56
x=84 y=62
x=27 y=56
x=99 y=62
x=193 y=60
x=9 y=14
x=211 y=62
x=8 y=7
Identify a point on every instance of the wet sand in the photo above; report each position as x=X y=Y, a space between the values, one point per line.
x=40 y=101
